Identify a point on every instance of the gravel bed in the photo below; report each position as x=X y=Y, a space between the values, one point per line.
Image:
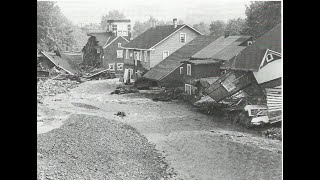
x=90 y=147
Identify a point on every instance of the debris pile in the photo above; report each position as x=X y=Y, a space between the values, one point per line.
x=169 y=95
x=125 y=90
x=52 y=87
x=272 y=133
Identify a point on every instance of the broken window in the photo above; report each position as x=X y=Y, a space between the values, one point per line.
x=228 y=85
x=120 y=66
x=111 y=67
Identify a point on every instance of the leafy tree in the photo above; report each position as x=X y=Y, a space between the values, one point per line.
x=53 y=28
x=203 y=28
x=217 y=28
x=114 y=15
x=235 y=26
x=262 y=16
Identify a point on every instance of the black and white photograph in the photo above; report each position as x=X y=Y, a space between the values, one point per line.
x=159 y=90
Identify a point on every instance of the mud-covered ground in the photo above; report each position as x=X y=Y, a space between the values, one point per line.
x=196 y=145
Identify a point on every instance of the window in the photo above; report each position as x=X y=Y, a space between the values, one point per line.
x=269 y=57
x=124 y=33
x=188 y=89
x=119 y=53
x=131 y=73
x=127 y=54
x=129 y=27
x=183 y=37
x=119 y=33
x=165 y=54
x=228 y=85
x=98 y=50
x=181 y=70
x=119 y=44
x=131 y=54
x=141 y=55
x=114 y=27
x=136 y=56
x=120 y=66
x=111 y=67
x=145 y=56
x=249 y=43
x=189 y=69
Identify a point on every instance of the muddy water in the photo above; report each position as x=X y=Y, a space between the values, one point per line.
x=197 y=146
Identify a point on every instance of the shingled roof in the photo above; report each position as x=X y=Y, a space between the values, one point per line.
x=224 y=48
x=153 y=36
x=250 y=58
x=172 y=61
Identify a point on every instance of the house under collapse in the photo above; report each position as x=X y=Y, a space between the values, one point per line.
x=258 y=68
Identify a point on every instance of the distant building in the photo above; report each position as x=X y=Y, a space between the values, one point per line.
x=120 y=28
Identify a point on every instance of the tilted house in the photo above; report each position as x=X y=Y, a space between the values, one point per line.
x=103 y=49
x=154 y=45
x=260 y=63
x=207 y=62
x=168 y=72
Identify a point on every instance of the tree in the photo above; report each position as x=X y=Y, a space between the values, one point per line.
x=203 y=28
x=141 y=27
x=235 y=26
x=217 y=28
x=262 y=16
x=114 y=15
x=53 y=28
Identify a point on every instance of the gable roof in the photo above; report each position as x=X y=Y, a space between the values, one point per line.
x=112 y=39
x=251 y=57
x=223 y=48
x=104 y=38
x=153 y=36
x=174 y=60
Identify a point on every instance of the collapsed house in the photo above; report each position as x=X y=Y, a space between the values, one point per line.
x=154 y=45
x=207 y=62
x=258 y=70
x=104 y=49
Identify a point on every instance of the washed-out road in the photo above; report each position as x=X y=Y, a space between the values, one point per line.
x=195 y=145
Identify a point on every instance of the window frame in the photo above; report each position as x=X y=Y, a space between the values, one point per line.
x=267 y=59
x=114 y=27
x=163 y=52
x=145 y=56
x=118 y=53
x=127 y=55
x=181 y=70
x=188 y=89
x=249 y=43
x=185 y=37
x=124 y=33
x=226 y=84
x=112 y=64
x=121 y=64
x=141 y=56
x=119 y=44
x=189 y=69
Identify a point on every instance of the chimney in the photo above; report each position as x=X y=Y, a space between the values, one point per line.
x=175 y=22
x=226 y=33
x=153 y=23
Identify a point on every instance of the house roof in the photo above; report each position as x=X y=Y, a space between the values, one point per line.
x=202 y=61
x=250 y=58
x=103 y=37
x=174 y=60
x=206 y=82
x=153 y=36
x=224 y=48
x=63 y=62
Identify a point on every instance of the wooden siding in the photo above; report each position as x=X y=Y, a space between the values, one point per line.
x=171 y=44
x=110 y=54
x=174 y=79
x=274 y=103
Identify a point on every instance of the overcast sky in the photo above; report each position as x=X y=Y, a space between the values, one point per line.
x=190 y=11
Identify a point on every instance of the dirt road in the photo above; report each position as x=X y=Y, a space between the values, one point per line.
x=197 y=146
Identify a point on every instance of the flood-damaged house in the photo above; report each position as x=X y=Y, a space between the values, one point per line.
x=205 y=64
x=103 y=49
x=258 y=68
x=168 y=72
x=154 y=45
